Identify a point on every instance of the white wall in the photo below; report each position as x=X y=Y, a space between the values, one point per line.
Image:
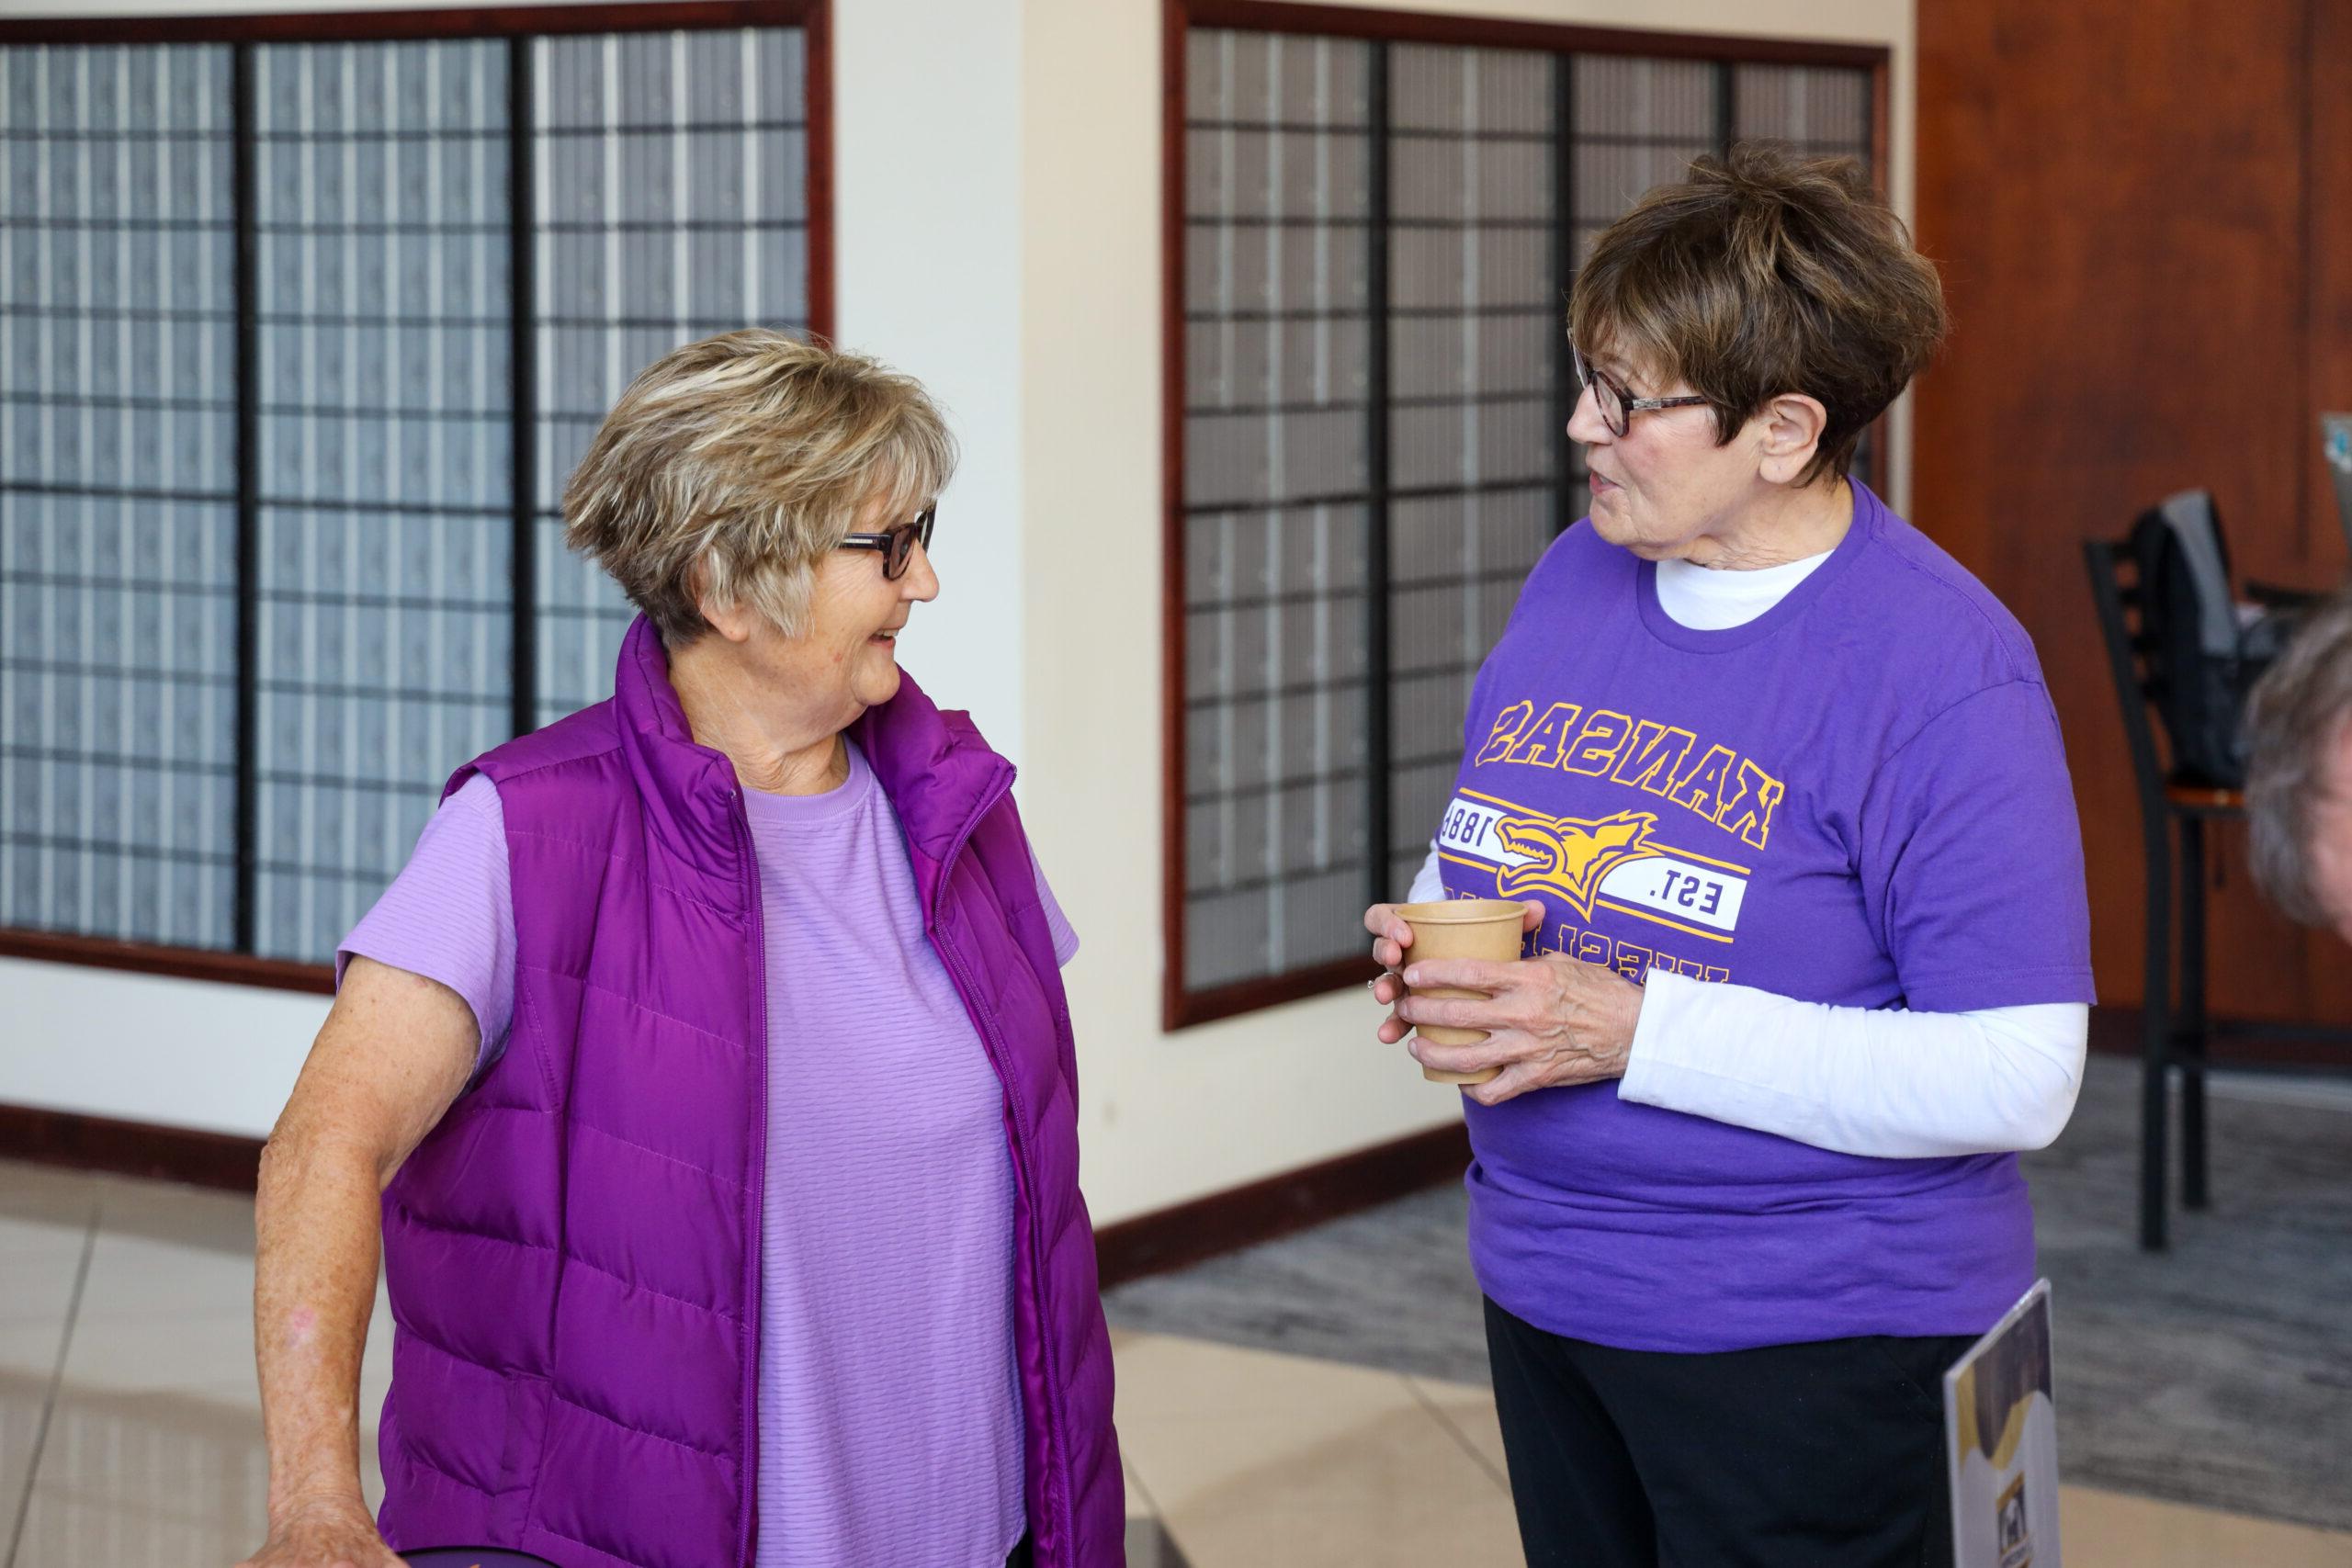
x=997 y=201
x=145 y=1048
x=927 y=203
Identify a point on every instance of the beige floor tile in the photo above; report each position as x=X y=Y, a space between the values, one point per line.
x=136 y=1278
x=22 y=1393
x=1161 y=1377
x=192 y=1463
x=2109 y=1529
x=186 y=1216
x=1139 y=1504
x=204 y=1354
x=46 y=1193
x=134 y=1479
x=156 y=1433
x=44 y=1235
x=29 y=1350
x=1255 y=1458
x=1398 y=1489
x=1469 y=1410
x=36 y=1285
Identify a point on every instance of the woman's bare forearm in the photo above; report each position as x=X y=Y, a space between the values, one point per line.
x=316 y=1224
x=394 y=1053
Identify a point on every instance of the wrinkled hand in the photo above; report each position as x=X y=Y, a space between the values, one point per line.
x=1550 y=1021
x=336 y=1534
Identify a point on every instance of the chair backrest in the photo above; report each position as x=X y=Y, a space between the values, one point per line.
x=2335 y=447
x=2121 y=601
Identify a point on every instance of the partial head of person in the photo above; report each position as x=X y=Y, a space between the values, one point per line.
x=767 y=503
x=1736 y=334
x=2298 y=772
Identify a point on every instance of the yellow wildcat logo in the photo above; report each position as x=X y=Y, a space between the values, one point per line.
x=1572 y=857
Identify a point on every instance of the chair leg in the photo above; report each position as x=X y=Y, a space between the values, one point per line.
x=2192 y=1013
x=2155 y=1040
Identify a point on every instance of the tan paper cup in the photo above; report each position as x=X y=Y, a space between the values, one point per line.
x=1490 y=929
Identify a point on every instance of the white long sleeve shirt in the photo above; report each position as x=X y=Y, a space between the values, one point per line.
x=1884 y=1082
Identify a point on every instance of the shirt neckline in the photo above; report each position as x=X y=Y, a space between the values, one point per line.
x=1870 y=514
x=1746 y=594
x=762 y=806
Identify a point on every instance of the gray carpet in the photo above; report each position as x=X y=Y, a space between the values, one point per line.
x=2219 y=1373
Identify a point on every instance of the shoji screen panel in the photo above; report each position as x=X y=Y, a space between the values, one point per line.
x=672 y=203
x=383 y=594
x=1474 y=452
x=1823 y=110
x=1379 y=229
x=1279 y=480
x=303 y=324
x=117 y=490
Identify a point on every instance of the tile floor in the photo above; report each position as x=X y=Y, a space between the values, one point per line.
x=130 y=1434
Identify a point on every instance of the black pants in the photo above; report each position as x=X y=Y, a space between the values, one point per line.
x=1829 y=1455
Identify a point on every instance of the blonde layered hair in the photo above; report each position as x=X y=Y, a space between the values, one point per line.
x=731 y=466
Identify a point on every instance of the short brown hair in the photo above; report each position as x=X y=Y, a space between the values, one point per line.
x=2293 y=720
x=1763 y=273
x=731 y=465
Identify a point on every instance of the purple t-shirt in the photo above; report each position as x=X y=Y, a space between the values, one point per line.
x=889 y=1403
x=1858 y=798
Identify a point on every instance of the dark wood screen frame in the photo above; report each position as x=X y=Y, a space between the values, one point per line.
x=813 y=18
x=1180 y=1008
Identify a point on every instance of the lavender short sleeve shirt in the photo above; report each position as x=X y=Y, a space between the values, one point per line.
x=889 y=1403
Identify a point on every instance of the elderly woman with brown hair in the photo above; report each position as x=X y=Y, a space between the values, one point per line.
x=708 y=1070
x=1783 y=793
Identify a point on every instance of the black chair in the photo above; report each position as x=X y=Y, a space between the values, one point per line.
x=2175 y=1035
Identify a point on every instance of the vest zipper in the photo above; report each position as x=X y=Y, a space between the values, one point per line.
x=755 y=1240
x=999 y=1048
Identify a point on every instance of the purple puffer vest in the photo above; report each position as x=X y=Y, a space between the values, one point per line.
x=573 y=1253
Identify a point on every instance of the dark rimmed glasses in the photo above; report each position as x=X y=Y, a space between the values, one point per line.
x=1617 y=405
x=897 y=544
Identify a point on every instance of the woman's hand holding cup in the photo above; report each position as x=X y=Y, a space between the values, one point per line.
x=1548 y=1021
x=1392 y=934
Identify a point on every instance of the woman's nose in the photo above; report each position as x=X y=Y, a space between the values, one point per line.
x=918 y=582
x=1585 y=423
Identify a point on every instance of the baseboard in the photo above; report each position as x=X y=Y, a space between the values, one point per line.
x=1149 y=1243
x=129 y=1148
x=1241 y=1216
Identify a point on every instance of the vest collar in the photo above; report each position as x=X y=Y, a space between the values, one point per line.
x=937 y=771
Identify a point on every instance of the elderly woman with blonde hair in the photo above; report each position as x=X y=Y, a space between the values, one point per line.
x=708 y=1071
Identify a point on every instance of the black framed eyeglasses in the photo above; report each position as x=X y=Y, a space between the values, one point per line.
x=897 y=544
x=1617 y=405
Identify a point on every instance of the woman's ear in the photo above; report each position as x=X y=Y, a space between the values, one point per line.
x=1793 y=426
x=731 y=621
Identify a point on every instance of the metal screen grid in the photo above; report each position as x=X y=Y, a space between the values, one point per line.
x=1474 y=458
x=1277 y=478
x=382 y=476
x=1820 y=111
x=672 y=204
x=1481 y=227
x=118 y=527
x=385 y=611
